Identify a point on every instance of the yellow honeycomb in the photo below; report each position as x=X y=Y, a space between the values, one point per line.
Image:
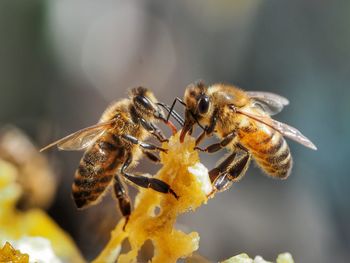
x=9 y=254
x=189 y=179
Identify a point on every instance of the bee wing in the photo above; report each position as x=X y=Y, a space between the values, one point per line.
x=81 y=139
x=271 y=103
x=286 y=130
x=292 y=133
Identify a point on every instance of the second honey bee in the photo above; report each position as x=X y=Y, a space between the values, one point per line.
x=114 y=145
x=242 y=121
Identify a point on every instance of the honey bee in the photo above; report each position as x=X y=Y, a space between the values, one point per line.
x=242 y=121
x=115 y=144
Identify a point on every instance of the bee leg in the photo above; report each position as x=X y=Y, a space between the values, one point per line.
x=154 y=130
x=231 y=170
x=147 y=182
x=153 y=183
x=222 y=167
x=200 y=138
x=123 y=199
x=144 y=145
x=158 y=133
x=211 y=127
x=151 y=156
x=208 y=130
x=218 y=146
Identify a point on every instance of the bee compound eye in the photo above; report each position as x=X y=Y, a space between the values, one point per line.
x=145 y=102
x=203 y=105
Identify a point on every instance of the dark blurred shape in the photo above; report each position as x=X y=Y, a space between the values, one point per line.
x=196 y=258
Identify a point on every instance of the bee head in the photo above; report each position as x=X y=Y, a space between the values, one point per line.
x=198 y=106
x=197 y=100
x=145 y=104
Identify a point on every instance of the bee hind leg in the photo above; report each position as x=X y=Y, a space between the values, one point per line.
x=231 y=170
x=123 y=199
x=147 y=182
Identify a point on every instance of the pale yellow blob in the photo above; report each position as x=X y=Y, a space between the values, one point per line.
x=244 y=258
x=169 y=243
x=15 y=224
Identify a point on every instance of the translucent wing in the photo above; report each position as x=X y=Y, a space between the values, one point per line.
x=286 y=130
x=81 y=139
x=271 y=103
x=292 y=133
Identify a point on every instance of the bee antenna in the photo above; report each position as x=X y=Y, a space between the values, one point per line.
x=173 y=105
x=200 y=83
x=173 y=113
x=194 y=117
x=176 y=116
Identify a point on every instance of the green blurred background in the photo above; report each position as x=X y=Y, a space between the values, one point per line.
x=63 y=62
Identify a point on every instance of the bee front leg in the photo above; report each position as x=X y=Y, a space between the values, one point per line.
x=123 y=199
x=146 y=182
x=154 y=130
x=208 y=131
x=218 y=146
x=200 y=138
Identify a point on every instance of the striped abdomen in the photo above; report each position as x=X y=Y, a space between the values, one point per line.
x=269 y=149
x=96 y=169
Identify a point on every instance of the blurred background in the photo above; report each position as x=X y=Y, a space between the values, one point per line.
x=63 y=62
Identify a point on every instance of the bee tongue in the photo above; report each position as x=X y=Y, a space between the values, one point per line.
x=171 y=126
x=184 y=131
